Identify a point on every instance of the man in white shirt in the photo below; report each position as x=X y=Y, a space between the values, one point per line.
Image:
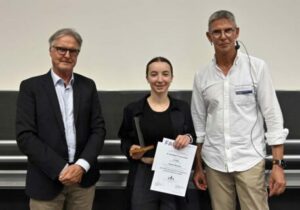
x=232 y=97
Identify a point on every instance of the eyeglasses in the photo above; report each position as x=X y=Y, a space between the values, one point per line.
x=218 y=33
x=63 y=51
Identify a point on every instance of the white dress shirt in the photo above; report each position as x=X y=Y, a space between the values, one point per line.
x=229 y=112
x=65 y=99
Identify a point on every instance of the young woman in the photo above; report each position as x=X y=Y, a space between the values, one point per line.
x=155 y=116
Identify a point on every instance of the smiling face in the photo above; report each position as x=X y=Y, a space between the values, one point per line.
x=64 y=52
x=223 y=34
x=159 y=76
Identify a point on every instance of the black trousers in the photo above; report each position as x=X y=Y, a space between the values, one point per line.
x=146 y=199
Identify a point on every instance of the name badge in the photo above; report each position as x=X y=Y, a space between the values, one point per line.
x=244 y=90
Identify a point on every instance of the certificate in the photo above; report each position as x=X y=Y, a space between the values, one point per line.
x=172 y=168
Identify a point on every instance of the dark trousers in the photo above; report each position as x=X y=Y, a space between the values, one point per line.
x=146 y=199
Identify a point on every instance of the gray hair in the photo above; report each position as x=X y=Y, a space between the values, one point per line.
x=220 y=15
x=66 y=32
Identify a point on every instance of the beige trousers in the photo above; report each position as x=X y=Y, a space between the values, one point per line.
x=72 y=197
x=249 y=186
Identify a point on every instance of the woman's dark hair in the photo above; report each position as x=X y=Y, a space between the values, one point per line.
x=159 y=59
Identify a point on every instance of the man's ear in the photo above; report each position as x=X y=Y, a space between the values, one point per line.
x=208 y=37
x=237 y=32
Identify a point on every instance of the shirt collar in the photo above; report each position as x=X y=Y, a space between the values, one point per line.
x=235 y=62
x=237 y=58
x=57 y=80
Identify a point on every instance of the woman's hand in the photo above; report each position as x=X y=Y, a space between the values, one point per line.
x=182 y=141
x=136 y=155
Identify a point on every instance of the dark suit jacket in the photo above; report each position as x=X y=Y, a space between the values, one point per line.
x=40 y=133
x=181 y=122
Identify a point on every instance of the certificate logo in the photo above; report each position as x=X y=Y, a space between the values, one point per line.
x=171 y=178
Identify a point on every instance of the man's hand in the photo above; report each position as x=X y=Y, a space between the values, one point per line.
x=71 y=175
x=200 y=179
x=277 y=181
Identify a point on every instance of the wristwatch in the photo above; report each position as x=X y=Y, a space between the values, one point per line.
x=281 y=163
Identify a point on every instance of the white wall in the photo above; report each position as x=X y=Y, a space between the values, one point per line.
x=121 y=36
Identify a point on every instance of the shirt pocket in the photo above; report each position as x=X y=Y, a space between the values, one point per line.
x=213 y=96
x=244 y=95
